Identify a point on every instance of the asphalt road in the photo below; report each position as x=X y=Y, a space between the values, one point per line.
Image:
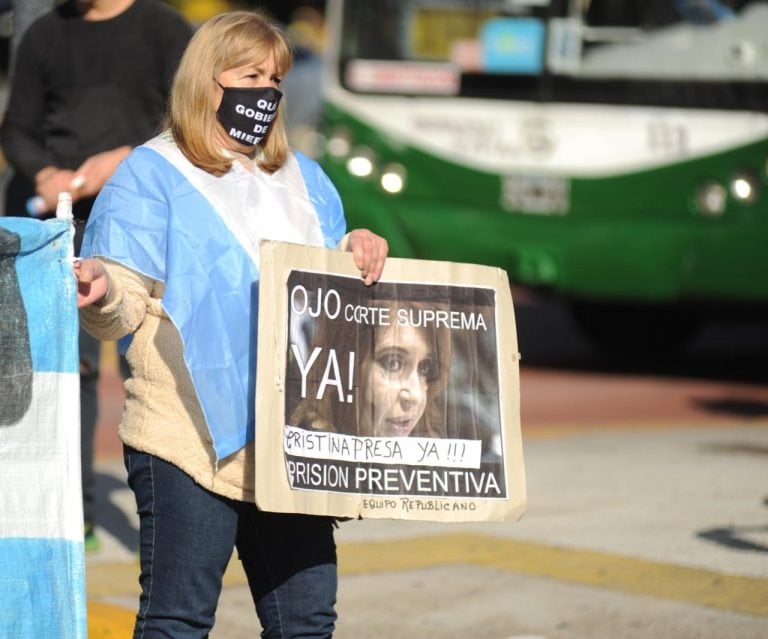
x=647 y=513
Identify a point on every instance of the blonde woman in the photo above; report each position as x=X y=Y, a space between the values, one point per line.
x=173 y=261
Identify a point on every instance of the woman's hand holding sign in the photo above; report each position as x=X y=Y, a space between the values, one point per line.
x=93 y=282
x=369 y=252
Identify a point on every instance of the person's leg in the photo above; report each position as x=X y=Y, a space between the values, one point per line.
x=290 y=561
x=90 y=349
x=187 y=536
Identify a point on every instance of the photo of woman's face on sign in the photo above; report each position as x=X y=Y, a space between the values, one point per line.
x=395 y=360
x=402 y=381
x=396 y=381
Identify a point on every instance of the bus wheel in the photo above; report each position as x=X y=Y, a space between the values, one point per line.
x=637 y=330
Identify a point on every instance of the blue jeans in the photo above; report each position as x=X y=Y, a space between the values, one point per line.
x=187 y=536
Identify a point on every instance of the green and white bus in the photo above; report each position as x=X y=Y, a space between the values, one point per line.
x=612 y=152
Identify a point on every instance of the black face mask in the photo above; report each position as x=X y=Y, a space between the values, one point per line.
x=246 y=113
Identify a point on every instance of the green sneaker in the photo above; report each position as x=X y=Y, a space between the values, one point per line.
x=92 y=543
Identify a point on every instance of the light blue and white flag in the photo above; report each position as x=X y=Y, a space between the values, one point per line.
x=200 y=235
x=42 y=577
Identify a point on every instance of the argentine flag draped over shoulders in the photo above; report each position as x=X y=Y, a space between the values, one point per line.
x=200 y=234
x=42 y=580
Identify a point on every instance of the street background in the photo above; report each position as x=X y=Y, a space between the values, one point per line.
x=647 y=514
x=647 y=507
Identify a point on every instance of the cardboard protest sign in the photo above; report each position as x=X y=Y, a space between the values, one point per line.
x=398 y=400
x=42 y=568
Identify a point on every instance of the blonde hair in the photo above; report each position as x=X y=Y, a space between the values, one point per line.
x=225 y=42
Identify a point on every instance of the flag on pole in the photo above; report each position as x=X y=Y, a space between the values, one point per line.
x=42 y=576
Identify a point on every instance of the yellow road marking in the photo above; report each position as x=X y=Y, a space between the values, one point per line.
x=601 y=570
x=637 y=576
x=109 y=622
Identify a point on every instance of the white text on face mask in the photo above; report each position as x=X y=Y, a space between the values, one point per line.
x=263 y=106
x=247 y=137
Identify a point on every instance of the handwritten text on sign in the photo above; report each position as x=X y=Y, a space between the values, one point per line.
x=413 y=451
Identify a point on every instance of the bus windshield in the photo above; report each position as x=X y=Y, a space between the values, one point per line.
x=556 y=49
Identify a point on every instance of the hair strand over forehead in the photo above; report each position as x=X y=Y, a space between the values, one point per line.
x=249 y=41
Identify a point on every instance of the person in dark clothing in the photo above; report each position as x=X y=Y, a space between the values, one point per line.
x=90 y=82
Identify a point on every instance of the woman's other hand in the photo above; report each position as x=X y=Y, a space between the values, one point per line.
x=92 y=282
x=50 y=182
x=369 y=252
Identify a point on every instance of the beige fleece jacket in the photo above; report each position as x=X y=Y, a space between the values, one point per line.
x=162 y=414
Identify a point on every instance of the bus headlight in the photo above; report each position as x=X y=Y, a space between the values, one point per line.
x=339 y=143
x=393 y=178
x=711 y=199
x=745 y=187
x=362 y=162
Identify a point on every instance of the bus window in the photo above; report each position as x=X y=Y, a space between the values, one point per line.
x=424 y=30
x=373 y=30
x=649 y=14
x=631 y=13
x=684 y=39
